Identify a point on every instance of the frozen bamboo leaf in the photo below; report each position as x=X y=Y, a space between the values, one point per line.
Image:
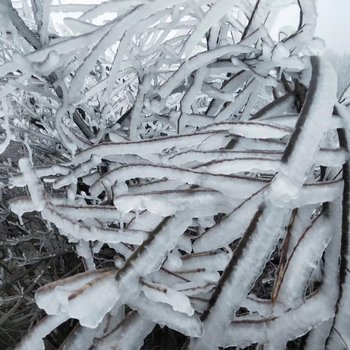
x=240 y=274
x=163 y=294
x=230 y=185
x=34 y=340
x=339 y=336
x=163 y=314
x=148 y=146
x=306 y=28
x=319 y=101
x=196 y=158
x=277 y=106
x=304 y=257
x=230 y=228
x=289 y=120
x=200 y=60
x=83 y=337
x=128 y=335
x=69 y=298
x=151 y=254
x=276 y=331
x=215 y=261
x=200 y=275
x=326 y=156
x=78 y=26
x=317 y=336
x=165 y=203
x=240 y=165
x=228 y=89
x=216 y=12
x=241 y=100
x=251 y=129
x=258 y=17
x=291 y=324
x=319 y=192
x=103 y=213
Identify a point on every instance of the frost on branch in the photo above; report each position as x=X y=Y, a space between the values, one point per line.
x=203 y=154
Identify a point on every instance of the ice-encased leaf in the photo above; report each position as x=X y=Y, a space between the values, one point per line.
x=251 y=129
x=34 y=339
x=71 y=299
x=162 y=294
x=234 y=186
x=128 y=335
x=320 y=100
x=164 y=314
x=292 y=322
x=165 y=203
x=230 y=228
x=240 y=274
x=152 y=146
x=304 y=257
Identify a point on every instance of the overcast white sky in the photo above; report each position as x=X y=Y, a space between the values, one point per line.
x=334 y=24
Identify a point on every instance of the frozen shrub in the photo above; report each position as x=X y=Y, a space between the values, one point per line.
x=209 y=158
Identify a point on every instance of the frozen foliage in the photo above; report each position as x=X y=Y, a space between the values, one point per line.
x=210 y=158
